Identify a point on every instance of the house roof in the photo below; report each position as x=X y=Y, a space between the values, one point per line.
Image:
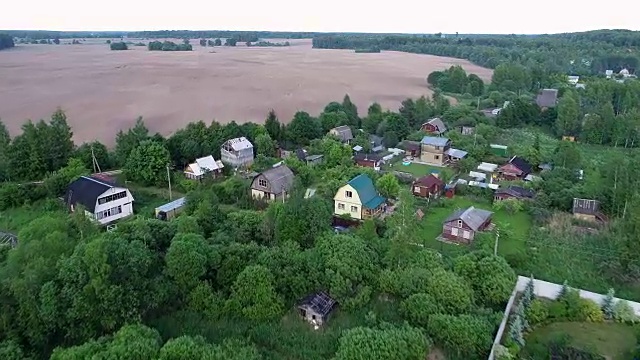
x=498 y=146
x=429 y=181
x=547 y=98
x=411 y=145
x=175 y=204
x=280 y=178
x=438 y=124
x=488 y=167
x=516 y=191
x=375 y=140
x=456 y=153
x=366 y=191
x=240 y=143
x=343 y=132
x=358 y=148
x=314 y=157
x=585 y=206
x=205 y=164
x=321 y=303
x=372 y=157
x=521 y=164
x=435 y=141
x=471 y=216
x=378 y=148
x=85 y=190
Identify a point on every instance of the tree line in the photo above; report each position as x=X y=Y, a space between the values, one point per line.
x=579 y=53
x=6 y=41
x=169 y=46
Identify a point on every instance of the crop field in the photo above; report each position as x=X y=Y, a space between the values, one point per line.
x=104 y=91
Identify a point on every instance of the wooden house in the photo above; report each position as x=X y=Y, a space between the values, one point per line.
x=429 y=186
x=587 y=209
x=273 y=183
x=433 y=150
x=373 y=161
x=316 y=308
x=513 y=192
x=204 y=166
x=462 y=226
x=516 y=169
x=359 y=199
x=434 y=126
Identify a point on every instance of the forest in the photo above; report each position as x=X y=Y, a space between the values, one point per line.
x=585 y=53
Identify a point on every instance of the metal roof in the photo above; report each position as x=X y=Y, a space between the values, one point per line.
x=366 y=191
x=488 y=167
x=435 y=141
x=321 y=303
x=471 y=216
x=456 y=153
x=175 y=204
x=205 y=164
x=240 y=143
x=280 y=178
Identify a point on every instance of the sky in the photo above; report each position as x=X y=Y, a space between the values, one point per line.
x=398 y=16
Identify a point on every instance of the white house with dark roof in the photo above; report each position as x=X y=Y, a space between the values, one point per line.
x=237 y=152
x=102 y=201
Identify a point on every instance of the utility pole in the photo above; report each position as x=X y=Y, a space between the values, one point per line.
x=96 y=166
x=169 y=179
x=495 y=246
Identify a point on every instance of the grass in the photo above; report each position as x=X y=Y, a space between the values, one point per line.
x=14 y=219
x=415 y=169
x=612 y=340
x=518 y=224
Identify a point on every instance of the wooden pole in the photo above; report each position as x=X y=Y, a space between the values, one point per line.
x=169 y=179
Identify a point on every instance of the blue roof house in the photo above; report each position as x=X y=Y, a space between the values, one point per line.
x=359 y=199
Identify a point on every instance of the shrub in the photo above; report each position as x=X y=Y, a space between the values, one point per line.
x=118 y=46
x=607 y=304
x=573 y=304
x=590 y=311
x=558 y=310
x=623 y=312
x=537 y=313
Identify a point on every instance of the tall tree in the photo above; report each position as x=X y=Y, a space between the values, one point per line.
x=351 y=110
x=126 y=142
x=568 y=122
x=272 y=124
x=5 y=141
x=148 y=163
x=254 y=296
x=60 y=145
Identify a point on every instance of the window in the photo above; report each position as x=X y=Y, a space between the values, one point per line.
x=114 y=197
x=437 y=147
x=437 y=157
x=340 y=206
x=262 y=182
x=354 y=209
x=454 y=231
x=466 y=234
x=416 y=189
x=348 y=194
x=108 y=213
x=459 y=223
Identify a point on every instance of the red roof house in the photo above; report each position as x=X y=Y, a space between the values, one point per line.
x=517 y=168
x=428 y=186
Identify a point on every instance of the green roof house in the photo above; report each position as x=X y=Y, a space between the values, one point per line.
x=359 y=199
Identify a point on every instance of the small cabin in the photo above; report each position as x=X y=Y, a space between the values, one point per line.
x=316 y=308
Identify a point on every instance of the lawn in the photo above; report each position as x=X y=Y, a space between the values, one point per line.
x=517 y=225
x=14 y=219
x=612 y=340
x=415 y=169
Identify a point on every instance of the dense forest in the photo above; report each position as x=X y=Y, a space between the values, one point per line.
x=576 y=53
x=6 y=41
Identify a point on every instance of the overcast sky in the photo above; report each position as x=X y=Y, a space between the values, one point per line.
x=417 y=16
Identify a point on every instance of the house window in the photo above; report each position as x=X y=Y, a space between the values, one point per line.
x=437 y=157
x=348 y=194
x=108 y=213
x=466 y=234
x=416 y=189
x=437 y=147
x=340 y=206
x=262 y=182
x=354 y=209
x=454 y=231
x=114 y=197
x=459 y=223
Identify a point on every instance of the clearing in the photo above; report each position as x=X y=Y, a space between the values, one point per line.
x=612 y=340
x=104 y=91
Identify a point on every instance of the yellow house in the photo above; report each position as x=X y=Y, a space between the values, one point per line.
x=359 y=199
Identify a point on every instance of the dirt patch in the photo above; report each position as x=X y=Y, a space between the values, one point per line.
x=104 y=91
x=436 y=354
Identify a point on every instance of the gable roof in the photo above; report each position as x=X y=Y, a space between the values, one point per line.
x=521 y=164
x=343 y=132
x=205 y=164
x=411 y=145
x=240 y=143
x=429 y=181
x=321 y=303
x=471 y=216
x=435 y=141
x=367 y=193
x=175 y=204
x=547 y=98
x=438 y=124
x=280 y=178
x=456 y=153
x=375 y=140
x=85 y=190
x=585 y=206
x=517 y=191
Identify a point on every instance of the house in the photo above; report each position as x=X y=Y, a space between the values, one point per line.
x=455 y=155
x=516 y=169
x=412 y=148
x=608 y=73
x=433 y=150
x=204 y=166
x=434 y=126
x=313 y=160
x=237 y=152
x=359 y=199
x=513 y=192
x=573 y=79
x=316 y=308
x=499 y=150
x=462 y=225
x=376 y=143
x=428 y=186
x=102 y=201
x=170 y=210
x=467 y=130
x=343 y=133
x=273 y=183
x=587 y=209
x=369 y=160
x=547 y=98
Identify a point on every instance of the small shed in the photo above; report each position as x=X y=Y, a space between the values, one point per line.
x=316 y=308
x=170 y=210
x=499 y=150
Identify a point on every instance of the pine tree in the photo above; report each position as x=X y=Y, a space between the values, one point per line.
x=528 y=295
x=607 y=304
x=564 y=290
x=516 y=330
x=523 y=319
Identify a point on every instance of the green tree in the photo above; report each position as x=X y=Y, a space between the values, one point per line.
x=567 y=155
x=203 y=42
x=187 y=260
x=374 y=118
x=87 y=151
x=511 y=77
x=303 y=128
x=418 y=308
x=218 y=42
x=147 y=163
x=388 y=185
x=568 y=121
x=265 y=145
x=608 y=304
x=450 y=292
x=10 y=350
x=516 y=330
x=397 y=343
x=5 y=141
x=126 y=142
x=464 y=336
x=253 y=295
x=491 y=276
x=351 y=110
x=273 y=126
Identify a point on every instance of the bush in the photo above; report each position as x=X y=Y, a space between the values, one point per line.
x=590 y=311
x=623 y=312
x=119 y=46
x=537 y=313
x=557 y=310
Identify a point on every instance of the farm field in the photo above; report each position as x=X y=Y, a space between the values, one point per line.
x=103 y=91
